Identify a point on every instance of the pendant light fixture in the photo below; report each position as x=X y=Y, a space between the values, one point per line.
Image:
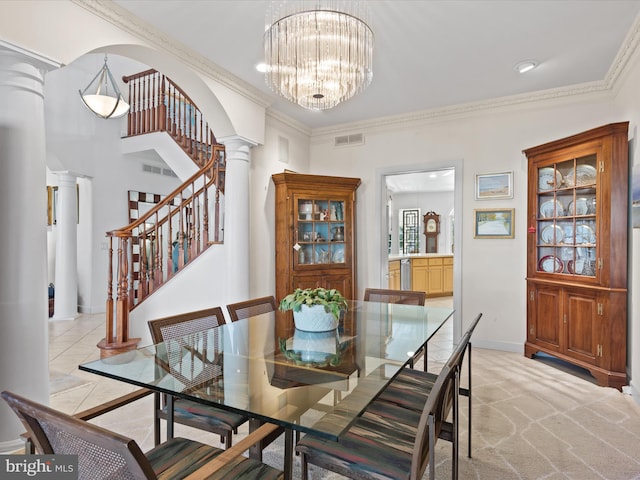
x=102 y=96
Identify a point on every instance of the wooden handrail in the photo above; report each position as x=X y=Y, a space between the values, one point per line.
x=158 y=104
x=153 y=248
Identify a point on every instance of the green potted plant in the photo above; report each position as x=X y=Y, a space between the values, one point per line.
x=315 y=309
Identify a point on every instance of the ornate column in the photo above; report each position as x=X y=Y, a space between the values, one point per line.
x=236 y=217
x=24 y=367
x=66 y=277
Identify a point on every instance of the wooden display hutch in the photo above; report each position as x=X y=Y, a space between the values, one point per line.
x=315 y=234
x=577 y=251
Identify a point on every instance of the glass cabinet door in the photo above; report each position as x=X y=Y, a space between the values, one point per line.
x=320 y=231
x=566 y=217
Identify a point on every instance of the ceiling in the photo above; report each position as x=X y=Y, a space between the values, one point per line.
x=428 y=54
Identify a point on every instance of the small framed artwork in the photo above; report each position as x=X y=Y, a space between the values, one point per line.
x=494 y=223
x=494 y=185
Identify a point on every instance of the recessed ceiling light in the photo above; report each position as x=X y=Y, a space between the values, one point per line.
x=526 y=66
x=262 y=67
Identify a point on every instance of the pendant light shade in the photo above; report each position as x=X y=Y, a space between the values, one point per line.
x=102 y=96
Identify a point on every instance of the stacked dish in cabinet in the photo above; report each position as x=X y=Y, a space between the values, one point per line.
x=320 y=231
x=566 y=217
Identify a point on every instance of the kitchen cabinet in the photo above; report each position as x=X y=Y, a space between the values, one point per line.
x=433 y=275
x=394 y=275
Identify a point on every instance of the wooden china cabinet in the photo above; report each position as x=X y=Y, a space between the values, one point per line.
x=577 y=251
x=315 y=233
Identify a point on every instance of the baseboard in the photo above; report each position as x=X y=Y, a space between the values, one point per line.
x=634 y=390
x=12 y=447
x=501 y=346
x=90 y=309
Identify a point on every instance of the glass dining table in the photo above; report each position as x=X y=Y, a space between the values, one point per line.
x=311 y=382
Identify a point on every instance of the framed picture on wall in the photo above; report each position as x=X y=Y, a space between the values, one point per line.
x=494 y=185
x=494 y=223
x=52 y=204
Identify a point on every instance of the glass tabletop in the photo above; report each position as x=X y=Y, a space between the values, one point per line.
x=316 y=382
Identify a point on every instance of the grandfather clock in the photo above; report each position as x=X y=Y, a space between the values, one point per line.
x=431 y=231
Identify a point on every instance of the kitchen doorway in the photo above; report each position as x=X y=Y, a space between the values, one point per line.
x=436 y=189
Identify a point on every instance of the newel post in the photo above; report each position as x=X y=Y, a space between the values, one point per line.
x=117 y=330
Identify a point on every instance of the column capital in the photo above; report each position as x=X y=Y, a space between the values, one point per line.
x=237 y=148
x=65 y=177
x=23 y=69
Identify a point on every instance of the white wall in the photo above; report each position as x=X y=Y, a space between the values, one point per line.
x=201 y=284
x=439 y=202
x=265 y=161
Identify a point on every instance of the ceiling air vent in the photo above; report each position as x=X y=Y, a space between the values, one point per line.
x=354 y=139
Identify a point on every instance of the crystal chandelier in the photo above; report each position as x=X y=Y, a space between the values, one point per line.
x=102 y=96
x=318 y=53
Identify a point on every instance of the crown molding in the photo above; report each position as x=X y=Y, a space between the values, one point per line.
x=43 y=61
x=129 y=23
x=465 y=109
x=626 y=51
x=288 y=121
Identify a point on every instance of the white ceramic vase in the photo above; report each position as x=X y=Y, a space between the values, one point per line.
x=314 y=319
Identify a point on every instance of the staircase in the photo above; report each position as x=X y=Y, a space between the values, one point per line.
x=148 y=252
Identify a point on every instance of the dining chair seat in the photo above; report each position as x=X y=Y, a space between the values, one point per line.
x=204 y=417
x=367 y=450
x=179 y=457
x=409 y=389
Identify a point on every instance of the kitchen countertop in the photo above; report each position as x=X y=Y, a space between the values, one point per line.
x=418 y=255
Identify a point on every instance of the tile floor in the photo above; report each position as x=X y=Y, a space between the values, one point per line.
x=74 y=342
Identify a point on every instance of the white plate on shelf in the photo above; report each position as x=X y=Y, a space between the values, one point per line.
x=581 y=207
x=584 y=175
x=551 y=235
x=546 y=179
x=585 y=235
x=551 y=208
x=550 y=264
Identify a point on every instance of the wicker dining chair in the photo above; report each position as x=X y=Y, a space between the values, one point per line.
x=249 y=308
x=106 y=455
x=188 y=412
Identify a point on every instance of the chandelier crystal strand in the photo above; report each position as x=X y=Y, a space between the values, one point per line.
x=319 y=53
